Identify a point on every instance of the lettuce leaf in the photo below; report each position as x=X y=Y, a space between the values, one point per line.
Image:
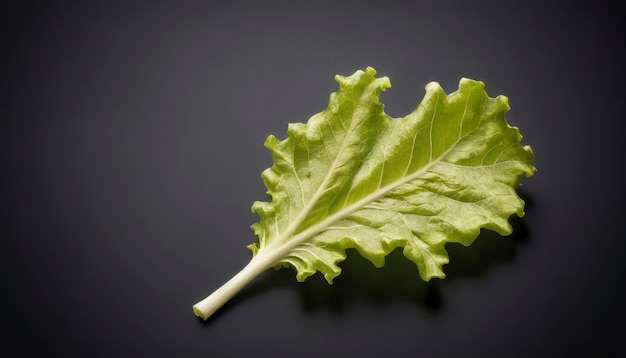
x=353 y=177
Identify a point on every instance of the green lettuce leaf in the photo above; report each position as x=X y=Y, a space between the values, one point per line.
x=353 y=177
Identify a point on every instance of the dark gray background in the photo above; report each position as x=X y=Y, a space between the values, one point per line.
x=131 y=147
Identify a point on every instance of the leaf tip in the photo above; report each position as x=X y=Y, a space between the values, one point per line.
x=464 y=81
x=427 y=277
x=270 y=141
x=433 y=87
x=331 y=276
x=504 y=102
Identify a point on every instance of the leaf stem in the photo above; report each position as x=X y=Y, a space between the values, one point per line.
x=259 y=263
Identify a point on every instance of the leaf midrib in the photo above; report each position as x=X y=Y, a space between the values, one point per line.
x=288 y=242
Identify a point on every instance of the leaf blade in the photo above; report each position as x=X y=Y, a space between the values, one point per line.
x=438 y=175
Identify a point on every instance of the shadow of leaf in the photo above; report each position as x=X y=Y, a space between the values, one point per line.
x=486 y=253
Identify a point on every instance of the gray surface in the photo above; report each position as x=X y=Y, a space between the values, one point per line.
x=131 y=146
